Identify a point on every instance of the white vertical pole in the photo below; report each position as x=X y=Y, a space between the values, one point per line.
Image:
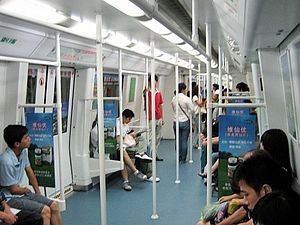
x=191 y=115
x=177 y=181
x=254 y=67
x=195 y=36
x=147 y=100
x=100 y=118
x=220 y=77
x=199 y=114
x=59 y=120
x=153 y=124
x=121 y=107
x=209 y=114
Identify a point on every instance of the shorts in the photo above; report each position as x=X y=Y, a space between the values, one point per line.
x=31 y=202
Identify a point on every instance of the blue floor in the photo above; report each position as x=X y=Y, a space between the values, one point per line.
x=177 y=204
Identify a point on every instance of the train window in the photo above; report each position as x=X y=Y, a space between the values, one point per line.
x=132 y=89
x=288 y=94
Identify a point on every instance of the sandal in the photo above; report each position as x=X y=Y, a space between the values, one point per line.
x=203 y=175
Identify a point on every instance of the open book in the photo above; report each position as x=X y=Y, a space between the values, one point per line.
x=14 y=210
x=139 y=132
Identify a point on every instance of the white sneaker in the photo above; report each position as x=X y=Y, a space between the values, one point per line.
x=140 y=176
x=127 y=186
x=143 y=157
x=150 y=179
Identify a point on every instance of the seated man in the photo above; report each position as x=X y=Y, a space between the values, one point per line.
x=256 y=177
x=13 y=162
x=127 y=115
x=19 y=217
x=275 y=209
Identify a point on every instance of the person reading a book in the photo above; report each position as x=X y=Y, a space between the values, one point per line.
x=131 y=142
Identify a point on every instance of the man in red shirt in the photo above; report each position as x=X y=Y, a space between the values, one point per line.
x=159 y=122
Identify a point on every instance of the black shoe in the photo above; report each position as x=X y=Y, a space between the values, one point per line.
x=159 y=159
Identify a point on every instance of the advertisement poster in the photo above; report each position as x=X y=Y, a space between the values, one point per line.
x=110 y=141
x=110 y=115
x=236 y=137
x=40 y=152
x=236 y=110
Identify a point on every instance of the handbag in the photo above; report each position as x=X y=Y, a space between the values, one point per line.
x=129 y=140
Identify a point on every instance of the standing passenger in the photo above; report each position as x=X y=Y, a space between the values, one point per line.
x=186 y=107
x=159 y=121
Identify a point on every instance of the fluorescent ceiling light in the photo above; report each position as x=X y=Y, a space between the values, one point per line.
x=155 y=26
x=35 y=10
x=126 y=7
x=140 y=47
x=202 y=58
x=173 y=38
x=194 y=52
x=88 y=29
x=118 y=40
x=158 y=53
x=85 y=28
x=165 y=57
x=186 y=47
x=76 y=18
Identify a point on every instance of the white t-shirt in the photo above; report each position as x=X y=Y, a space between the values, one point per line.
x=125 y=128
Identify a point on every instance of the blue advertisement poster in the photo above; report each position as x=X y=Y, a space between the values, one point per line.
x=110 y=115
x=40 y=152
x=236 y=110
x=110 y=141
x=237 y=135
x=64 y=114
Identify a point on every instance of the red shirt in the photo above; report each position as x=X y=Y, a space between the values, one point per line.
x=158 y=103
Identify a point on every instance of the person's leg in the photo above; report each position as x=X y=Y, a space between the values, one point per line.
x=185 y=129
x=55 y=214
x=128 y=161
x=158 y=129
x=32 y=206
x=141 y=145
x=26 y=217
x=55 y=217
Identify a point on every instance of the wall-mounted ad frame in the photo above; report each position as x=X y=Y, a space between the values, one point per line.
x=289 y=97
x=132 y=89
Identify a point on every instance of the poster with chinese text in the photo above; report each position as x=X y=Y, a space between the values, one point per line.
x=237 y=135
x=40 y=152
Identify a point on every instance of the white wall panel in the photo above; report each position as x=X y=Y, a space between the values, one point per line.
x=273 y=88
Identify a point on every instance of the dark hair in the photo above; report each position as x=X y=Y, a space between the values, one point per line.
x=216 y=86
x=149 y=78
x=195 y=91
x=274 y=209
x=181 y=87
x=275 y=142
x=261 y=169
x=14 y=133
x=242 y=86
x=127 y=113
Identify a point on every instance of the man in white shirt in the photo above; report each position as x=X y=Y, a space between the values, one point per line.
x=186 y=109
x=127 y=116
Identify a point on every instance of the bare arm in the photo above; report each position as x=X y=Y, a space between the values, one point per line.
x=32 y=178
x=237 y=216
x=229 y=197
x=7 y=216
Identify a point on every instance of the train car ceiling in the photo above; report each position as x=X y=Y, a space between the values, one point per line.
x=240 y=27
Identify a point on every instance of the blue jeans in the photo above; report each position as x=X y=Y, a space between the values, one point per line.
x=184 y=131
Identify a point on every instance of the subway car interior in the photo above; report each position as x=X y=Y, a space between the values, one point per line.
x=84 y=62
